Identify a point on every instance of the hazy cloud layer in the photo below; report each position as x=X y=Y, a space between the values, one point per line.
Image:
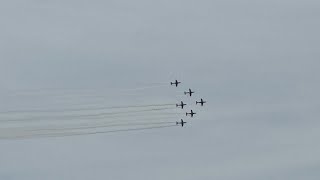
x=256 y=62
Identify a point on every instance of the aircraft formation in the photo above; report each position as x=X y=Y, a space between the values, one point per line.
x=181 y=104
x=75 y=112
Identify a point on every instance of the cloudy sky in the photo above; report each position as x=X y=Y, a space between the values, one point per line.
x=255 y=61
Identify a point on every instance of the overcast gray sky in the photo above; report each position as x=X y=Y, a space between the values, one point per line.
x=255 y=61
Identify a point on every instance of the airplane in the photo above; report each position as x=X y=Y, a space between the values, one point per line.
x=175 y=83
x=189 y=92
x=181 y=105
x=182 y=123
x=192 y=113
x=201 y=102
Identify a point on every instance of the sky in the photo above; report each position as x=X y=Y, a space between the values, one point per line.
x=255 y=62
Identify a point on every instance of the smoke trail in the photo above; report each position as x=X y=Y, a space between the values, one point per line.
x=127 y=112
x=130 y=119
x=85 y=109
x=52 y=135
x=122 y=118
x=134 y=119
x=95 y=115
x=103 y=125
x=157 y=114
x=86 y=125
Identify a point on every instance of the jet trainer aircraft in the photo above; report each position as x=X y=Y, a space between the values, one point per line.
x=189 y=92
x=175 y=83
x=182 y=123
x=191 y=113
x=201 y=102
x=181 y=105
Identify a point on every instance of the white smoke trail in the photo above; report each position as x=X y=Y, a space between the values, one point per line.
x=67 y=134
x=83 y=109
x=102 y=125
x=35 y=117
x=72 y=121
